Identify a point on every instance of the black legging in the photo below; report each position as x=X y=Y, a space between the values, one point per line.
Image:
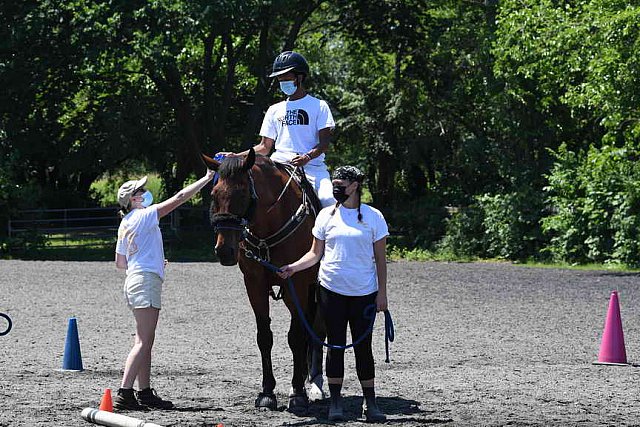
x=338 y=310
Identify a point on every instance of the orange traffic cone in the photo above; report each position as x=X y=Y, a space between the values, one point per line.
x=106 y=404
x=612 y=350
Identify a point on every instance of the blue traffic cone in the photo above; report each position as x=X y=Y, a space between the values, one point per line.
x=72 y=360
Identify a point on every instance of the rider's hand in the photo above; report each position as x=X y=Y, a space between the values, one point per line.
x=287 y=271
x=300 y=160
x=381 y=302
x=210 y=174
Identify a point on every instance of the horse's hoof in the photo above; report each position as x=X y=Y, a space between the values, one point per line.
x=267 y=400
x=298 y=404
x=315 y=393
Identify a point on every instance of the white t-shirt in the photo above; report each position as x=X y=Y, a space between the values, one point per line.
x=140 y=241
x=348 y=266
x=294 y=125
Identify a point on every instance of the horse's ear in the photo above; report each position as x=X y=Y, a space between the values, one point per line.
x=211 y=163
x=250 y=160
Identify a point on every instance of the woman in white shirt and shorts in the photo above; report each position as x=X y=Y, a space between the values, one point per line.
x=350 y=243
x=139 y=251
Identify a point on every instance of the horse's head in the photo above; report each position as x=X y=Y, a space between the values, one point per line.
x=233 y=202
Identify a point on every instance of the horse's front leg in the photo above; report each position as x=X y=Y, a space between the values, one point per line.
x=259 y=299
x=299 y=341
x=297 y=337
x=266 y=399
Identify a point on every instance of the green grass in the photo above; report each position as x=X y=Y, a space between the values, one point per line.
x=198 y=246
x=589 y=267
x=188 y=246
x=399 y=253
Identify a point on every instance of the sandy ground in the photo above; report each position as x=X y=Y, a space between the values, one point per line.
x=476 y=344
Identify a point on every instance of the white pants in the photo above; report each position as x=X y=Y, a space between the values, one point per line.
x=319 y=178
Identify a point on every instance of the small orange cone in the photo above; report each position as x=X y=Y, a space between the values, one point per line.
x=106 y=404
x=612 y=351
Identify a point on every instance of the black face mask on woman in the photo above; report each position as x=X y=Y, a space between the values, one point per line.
x=339 y=193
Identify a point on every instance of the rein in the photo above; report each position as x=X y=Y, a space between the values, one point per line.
x=264 y=245
x=283 y=191
x=368 y=313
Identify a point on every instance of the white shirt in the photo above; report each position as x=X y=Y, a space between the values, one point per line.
x=348 y=266
x=140 y=241
x=294 y=126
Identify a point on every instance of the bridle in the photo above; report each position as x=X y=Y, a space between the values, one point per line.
x=250 y=241
x=230 y=221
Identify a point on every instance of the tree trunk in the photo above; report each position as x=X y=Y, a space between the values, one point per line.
x=261 y=97
x=188 y=153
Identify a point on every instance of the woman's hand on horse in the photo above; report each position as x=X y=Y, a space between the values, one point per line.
x=286 y=272
x=226 y=154
x=210 y=174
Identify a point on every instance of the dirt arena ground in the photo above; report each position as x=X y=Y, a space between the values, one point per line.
x=476 y=344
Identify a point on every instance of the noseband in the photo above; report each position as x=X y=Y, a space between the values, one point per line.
x=230 y=221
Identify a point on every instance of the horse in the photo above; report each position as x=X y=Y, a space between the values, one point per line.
x=260 y=213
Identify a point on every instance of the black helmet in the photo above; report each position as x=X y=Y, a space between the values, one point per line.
x=289 y=61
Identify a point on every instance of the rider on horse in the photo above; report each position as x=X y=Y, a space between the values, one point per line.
x=299 y=128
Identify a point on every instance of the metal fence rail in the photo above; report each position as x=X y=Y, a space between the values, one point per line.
x=78 y=227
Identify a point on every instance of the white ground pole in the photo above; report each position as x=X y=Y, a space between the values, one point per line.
x=110 y=419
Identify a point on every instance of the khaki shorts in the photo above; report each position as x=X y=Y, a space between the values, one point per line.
x=143 y=290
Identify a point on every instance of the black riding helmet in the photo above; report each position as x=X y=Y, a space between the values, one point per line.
x=289 y=61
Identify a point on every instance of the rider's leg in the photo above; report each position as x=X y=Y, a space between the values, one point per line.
x=319 y=177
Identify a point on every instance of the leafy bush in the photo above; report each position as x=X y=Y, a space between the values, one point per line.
x=502 y=226
x=105 y=190
x=512 y=224
x=464 y=234
x=416 y=223
x=596 y=201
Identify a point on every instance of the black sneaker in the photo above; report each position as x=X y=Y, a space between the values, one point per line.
x=126 y=400
x=373 y=414
x=149 y=398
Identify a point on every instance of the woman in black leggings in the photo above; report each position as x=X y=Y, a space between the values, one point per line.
x=350 y=241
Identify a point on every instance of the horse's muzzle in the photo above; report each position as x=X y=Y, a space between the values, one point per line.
x=226 y=255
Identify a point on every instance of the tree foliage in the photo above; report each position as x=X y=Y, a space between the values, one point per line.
x=476 y=104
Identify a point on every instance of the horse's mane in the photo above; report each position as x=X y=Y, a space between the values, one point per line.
x=232 y=167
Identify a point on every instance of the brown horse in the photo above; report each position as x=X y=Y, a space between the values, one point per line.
x=256 y=209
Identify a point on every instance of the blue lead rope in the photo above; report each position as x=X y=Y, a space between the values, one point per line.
x=9 y=324
x=369 y=313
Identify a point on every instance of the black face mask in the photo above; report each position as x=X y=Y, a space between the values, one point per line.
x=339 y=193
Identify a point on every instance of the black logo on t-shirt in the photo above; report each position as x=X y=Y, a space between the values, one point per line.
x=295 y=117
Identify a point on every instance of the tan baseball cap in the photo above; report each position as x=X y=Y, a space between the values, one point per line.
x=127 y=189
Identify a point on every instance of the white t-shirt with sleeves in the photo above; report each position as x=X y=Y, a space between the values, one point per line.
x=294 y=126
x=140 y=241
x=348 y=266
